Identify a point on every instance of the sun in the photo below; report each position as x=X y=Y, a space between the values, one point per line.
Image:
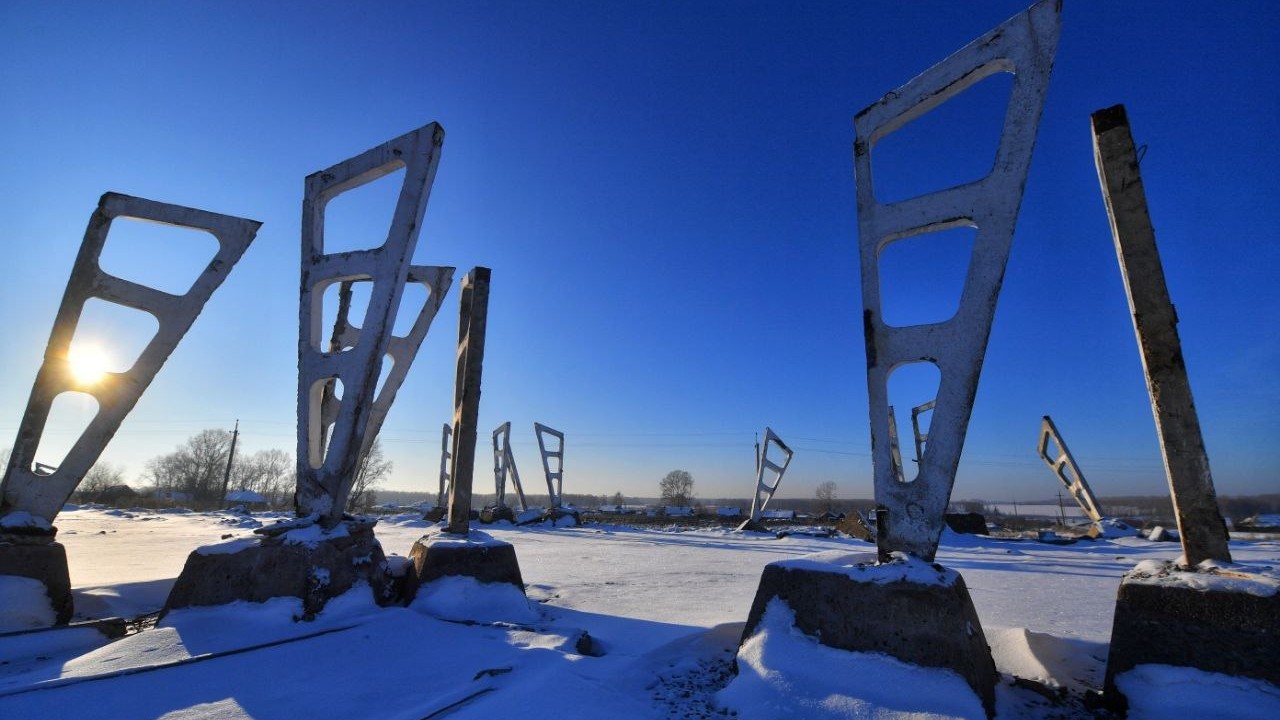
x=89 y=364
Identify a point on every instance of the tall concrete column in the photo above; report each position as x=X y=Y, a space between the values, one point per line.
x=1204 y=534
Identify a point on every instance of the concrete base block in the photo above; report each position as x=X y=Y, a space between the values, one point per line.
x=1220 y=620
x=41 y=558
x=293 y=560
x=497 y=513
x=915 y=611
x=477 y=555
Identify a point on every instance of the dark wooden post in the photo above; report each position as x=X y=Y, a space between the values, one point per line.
x=1204 y=534
x=466 y=395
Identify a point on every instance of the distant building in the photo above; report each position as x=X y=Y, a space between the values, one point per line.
x=729 y=512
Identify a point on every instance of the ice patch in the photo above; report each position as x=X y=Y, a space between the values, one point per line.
x=467 y=599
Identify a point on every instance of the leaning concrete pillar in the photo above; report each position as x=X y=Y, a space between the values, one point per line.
x=1204 y=534
x=1195 y=612
x=768 y=477
x=1023 y=46
x=456 y=549
x=474 y=315
x=326 y=469
x=857 y=603
x=1064 y=467
x=33 y=497
x=335 y=431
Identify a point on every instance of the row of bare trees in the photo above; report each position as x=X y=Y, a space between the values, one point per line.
x=196 y=468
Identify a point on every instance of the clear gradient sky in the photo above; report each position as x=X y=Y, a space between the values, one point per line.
x=665 y=194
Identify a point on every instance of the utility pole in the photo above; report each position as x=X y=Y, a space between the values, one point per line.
x=226 y=474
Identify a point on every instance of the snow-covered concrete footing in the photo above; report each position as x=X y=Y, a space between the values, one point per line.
x=298 y=559
x=1219 y=619
x=39 y=557
x=476 y=555
x=915 y=611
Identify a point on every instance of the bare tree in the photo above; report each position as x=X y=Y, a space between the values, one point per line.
x=100 y=477
x=677 y=488
x=826 y=495
x=373 y=469
x=619 y=500
x=195 y=467
x=270 y=473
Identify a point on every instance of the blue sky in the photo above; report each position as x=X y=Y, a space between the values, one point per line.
x=665 y=195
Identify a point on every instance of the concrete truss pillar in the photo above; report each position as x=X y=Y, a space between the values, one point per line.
x=768 y=476
x=327 y=468
x=504 y=464
x=472 y=321
x=446 y=483
x=41 y=492
x=1024 y=46
x=555 y=478
x=1064 y=467
x=1155 y=322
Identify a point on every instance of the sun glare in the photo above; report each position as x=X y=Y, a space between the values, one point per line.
x=89 y=363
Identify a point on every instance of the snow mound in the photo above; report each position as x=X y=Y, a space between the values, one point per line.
x=24 y=604
x=784 y=674
x=1157 y=692
x=1053 y=661
x=466 y=599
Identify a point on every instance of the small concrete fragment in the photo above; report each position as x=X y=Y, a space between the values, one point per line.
x=40 y=558
x=1222 y=619
x=440 y=553
x=303 y=561
x=915 y=611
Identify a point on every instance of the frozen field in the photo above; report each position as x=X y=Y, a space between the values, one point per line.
x=663 y=609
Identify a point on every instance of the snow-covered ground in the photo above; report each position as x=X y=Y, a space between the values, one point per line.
x=620 y=623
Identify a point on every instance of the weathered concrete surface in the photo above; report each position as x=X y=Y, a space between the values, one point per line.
x=23 y=487
x=444 y=554
x=1215 y=627
x=922 y=618
x=1025 y=46
x=1155 y=322
x=327 y=469
x=473 y=318
x=313 y=570
x=41 y=558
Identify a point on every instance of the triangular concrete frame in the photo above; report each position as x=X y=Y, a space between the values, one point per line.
x=1024 y=45
x=44 y=495
x=326 y=470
